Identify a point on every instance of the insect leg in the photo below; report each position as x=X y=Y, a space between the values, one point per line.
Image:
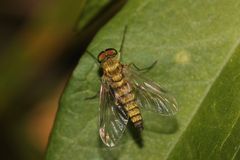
x=123 y=39
x=146 y=69
x=92 y=97
x=90 y=54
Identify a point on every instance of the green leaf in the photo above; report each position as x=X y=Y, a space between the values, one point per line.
x=196 y=44
x=90 y=10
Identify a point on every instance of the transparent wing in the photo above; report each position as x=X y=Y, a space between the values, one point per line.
x=149 y=94
x=113 y=119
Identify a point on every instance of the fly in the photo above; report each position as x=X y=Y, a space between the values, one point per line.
x=123 y=93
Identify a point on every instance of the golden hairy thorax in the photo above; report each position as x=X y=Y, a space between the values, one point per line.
x=113 y=72
x=111 y=67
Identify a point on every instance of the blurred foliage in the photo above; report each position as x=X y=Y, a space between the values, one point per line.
x=41 y=42
x=196 y=44
x=39 y=47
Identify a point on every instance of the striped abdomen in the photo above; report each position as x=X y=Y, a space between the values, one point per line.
x=125 y=96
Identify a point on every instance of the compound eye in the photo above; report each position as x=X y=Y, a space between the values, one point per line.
x=101 y=56
x=111 y=52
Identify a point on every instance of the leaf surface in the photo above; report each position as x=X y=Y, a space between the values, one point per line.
x=196 y=44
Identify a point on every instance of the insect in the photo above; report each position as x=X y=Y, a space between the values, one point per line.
x=123 y=92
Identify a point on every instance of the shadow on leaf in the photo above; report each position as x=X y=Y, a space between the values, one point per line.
x=160 y=124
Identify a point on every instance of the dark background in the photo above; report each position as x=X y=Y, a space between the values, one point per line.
x=37 y=56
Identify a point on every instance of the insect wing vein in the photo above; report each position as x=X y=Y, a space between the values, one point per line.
x=150 y=96
x=113 y=120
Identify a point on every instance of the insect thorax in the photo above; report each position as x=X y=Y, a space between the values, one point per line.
x=111 y=68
